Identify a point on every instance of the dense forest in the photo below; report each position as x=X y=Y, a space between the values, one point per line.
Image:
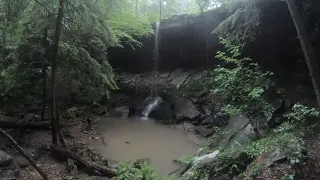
x=159 y=89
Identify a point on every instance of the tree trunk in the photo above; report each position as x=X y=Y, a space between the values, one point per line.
x=25 y=125
x=306 y=47
x=44 y=80
x=54 y=120
x=24 y=154
x=137 y=7
x=102 y=170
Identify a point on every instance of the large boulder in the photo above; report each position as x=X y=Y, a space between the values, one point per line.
x=185 y=109
x=5 y=159
x=122 y=112
x=162 y=112
x=239 y=130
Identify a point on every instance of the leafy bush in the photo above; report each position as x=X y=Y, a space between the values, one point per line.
x=127 y=171
x=245 y=87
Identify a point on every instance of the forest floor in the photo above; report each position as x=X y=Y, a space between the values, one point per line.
x=311 y=169
x=37 y=143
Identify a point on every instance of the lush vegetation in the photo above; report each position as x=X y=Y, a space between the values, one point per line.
x=142 y=171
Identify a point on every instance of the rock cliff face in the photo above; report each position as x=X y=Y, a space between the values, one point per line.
x=186 y=41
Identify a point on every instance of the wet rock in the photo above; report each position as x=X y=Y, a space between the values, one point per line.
x=21 y=162
x=207 y=120
x=219 y=119
x=204 y=131
x=100 y=110
x=178 y=77
x=29 y=117
x=122 y=112
x=188 y=127
x=5 y=159
x=198 y=163
x=72 y=112
x=37 y=117
x=162 y=112
x=236 y=125
x=206 y=159
x=185 y=109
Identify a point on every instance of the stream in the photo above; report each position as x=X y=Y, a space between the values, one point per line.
x=136 y=138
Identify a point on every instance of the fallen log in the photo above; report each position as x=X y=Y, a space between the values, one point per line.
x=24 y=154
x=25 y=125
x=44 y=125
x=104 y=171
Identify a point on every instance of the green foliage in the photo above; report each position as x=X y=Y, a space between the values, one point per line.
x=244 y=87
x=242 y=25
x=185 y=160
x=127 y=171
x=288 y=177
x=301 y=113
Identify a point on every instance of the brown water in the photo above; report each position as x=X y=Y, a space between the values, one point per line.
x=132 y=139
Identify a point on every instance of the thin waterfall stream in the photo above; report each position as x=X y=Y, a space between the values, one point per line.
x=157 y=100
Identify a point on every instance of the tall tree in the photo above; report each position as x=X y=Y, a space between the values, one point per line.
x=137 y=7
x=306 y=47
x=54 y=119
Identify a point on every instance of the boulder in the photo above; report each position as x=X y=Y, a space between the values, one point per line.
x=100 y=110
x=29 y=117
x=206 y=159
x=188 y=127
x=162 y=112
x=207 y=120
x=204 y=131
x=237 y=130
x=198 y=164
x=185 y=109
x=5 y=159
x=21 y=162
x=122 y=112
x=219 y=119
x=178 y=77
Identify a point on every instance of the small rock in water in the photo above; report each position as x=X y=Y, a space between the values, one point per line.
x=127 y=142
x=5 y=159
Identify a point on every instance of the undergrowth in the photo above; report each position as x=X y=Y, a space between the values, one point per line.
x=129 y=171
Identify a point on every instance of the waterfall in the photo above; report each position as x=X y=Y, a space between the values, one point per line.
x=156 y=59
x=154 y=104
x=157 y=100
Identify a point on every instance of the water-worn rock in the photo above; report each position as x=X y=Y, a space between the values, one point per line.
x=185 y=109
x=5 y=159
x=188 y=127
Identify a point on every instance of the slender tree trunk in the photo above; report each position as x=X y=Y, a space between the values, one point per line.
x=55 y=120
x=44 y=80
x=306 y=47
x=24 y=154
x=137 y=7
